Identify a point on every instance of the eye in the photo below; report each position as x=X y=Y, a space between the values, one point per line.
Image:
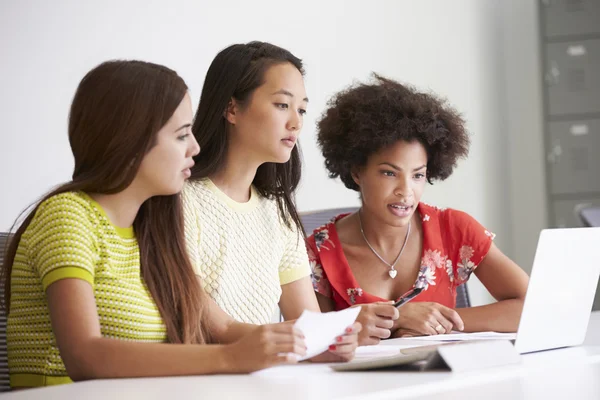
x=419 y=176
x=182 y=137
x=282 y=106
x=302 y=111
x=388 y=173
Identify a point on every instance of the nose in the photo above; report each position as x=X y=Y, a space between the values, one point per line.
x=193 y=148
x=295 y=122
x=402 y=188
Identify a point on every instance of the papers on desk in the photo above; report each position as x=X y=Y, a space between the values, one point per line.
x=321 y=329
x=463 y=337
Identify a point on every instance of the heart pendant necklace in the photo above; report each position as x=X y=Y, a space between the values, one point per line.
x=392 y=272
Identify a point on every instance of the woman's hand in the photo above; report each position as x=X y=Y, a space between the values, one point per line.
x=377 y=320
x=427 y=318
x=265 y=346
x=344 y=348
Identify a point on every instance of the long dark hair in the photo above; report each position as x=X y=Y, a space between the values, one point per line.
x=234 y=74
x=116 y=113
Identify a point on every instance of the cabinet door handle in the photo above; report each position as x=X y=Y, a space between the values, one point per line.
x=553 y=74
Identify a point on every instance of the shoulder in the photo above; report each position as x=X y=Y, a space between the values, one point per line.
x=448 y=218
x=65 y=204
x=322 y=235
x=453 y=226
x=194 y=190
x=325 y=227
x=63 y=215
x=466 y=224
x=200 y=199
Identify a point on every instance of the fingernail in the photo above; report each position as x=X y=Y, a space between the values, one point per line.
x=332 y=347
x=349 y=330
x=339 y=339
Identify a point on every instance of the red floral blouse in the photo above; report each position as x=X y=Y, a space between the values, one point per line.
x=454 y=244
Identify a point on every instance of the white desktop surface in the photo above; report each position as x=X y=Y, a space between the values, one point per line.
x=571 y=373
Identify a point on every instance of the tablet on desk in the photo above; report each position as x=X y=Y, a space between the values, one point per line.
x=420 y=360
x=457 y=357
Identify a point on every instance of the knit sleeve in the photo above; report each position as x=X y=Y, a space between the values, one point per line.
x=61 y=240
x=294 y=263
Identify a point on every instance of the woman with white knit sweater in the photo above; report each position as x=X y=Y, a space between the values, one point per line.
x=243 y=233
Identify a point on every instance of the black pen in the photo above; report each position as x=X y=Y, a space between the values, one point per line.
x=408 y=296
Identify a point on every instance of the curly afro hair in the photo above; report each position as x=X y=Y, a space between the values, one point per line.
x=365 y=118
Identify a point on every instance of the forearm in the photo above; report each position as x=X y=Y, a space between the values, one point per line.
x=225 y=329
x=235 y=330
x=296 y=297
x=101 y=358
x=502 y=316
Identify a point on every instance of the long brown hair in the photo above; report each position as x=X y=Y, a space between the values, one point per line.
x=116 y=113
x=234 y=74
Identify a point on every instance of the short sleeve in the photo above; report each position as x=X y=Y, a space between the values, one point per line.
x=471 y=242
x=191 y=228
x=61 y=241
x=319 y=278
x=294 y=263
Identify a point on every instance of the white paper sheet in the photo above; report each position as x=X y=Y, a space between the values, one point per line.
x=459 y=337
x=321 y=329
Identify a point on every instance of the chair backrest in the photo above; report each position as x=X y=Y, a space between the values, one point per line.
x=4 y=381
x=314 y=219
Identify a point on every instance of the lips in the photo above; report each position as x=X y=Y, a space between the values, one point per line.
x=188 y=171
x=401 y=206
x=289 y=141
x=400 y=209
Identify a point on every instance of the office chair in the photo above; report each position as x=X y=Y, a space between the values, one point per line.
x=4 y=380
x=590 y=216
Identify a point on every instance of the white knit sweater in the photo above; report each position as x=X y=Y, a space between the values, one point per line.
x=243 y=252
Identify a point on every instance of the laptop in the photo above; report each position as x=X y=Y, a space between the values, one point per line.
x=557 y=305
x=561 y=290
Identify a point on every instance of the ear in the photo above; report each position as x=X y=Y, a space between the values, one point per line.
x=355 y=173
x=231 y=111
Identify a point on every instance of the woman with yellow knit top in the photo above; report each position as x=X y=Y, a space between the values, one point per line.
x=242 y=229
x=99 y=283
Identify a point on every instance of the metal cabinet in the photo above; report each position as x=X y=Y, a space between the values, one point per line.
x=573 y=77
x=574 y=156
x=570 y=43
x=570 y=17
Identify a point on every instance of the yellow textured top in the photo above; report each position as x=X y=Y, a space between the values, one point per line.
x=71 y=237
x=243 y=252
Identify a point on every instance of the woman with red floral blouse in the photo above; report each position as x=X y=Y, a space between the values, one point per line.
x=386 y=141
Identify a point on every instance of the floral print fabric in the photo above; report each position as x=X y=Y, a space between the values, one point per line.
x=454 y=244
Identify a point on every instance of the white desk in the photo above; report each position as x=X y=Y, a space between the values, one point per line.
x=558 y=374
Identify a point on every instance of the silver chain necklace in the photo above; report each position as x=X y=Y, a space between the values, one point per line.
x=392 y=272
